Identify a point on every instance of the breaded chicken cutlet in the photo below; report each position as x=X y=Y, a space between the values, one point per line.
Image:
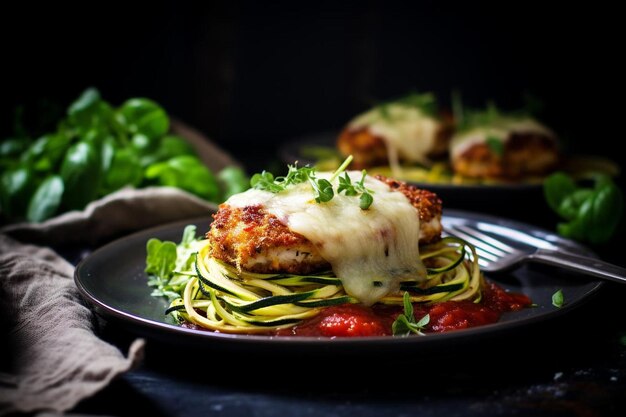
x=507 y=149
x=252 y=239
x=410 y=130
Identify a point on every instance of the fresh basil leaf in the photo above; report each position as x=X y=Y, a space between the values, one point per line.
x=85 y=102
x=89 y=112
x=107 y=153
x=606 y=213
x=46 y=152
x=579 y=224
x=169 y=147
x=96 y=136
x=83 y=150
x=160 y=258
x=81 y=175
x=145 y=117
x=172 y=145
x=36 y=150
x=169 y=265
x=592 y=213
x=570 y=205
x=13 y=147
x=17 y=187
x=556 y=188
x=143 y=145
x=46 y=200
x=187 y=173
x=233 y=180
x=558 y=300
x=125 y=171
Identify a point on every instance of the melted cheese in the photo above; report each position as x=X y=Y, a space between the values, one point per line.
x=408 y=132
x=370 y=251
x=501 y=131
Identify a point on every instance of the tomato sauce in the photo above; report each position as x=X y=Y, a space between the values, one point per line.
x=353 y=320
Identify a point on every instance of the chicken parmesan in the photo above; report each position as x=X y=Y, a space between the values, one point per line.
x=413 y=139
x=261 y=231
x=405 y=131
x=505 y=148
x=294 y=253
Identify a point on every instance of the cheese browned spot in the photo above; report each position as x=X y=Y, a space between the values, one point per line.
x=371 y=251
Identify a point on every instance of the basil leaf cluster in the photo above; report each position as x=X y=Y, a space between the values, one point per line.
x=590 y=213
x=97 y=149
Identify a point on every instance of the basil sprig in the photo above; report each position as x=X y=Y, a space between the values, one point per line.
x=358 y=189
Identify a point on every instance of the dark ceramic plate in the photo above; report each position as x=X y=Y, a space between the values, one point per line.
x=492 y=198
x=112 y=279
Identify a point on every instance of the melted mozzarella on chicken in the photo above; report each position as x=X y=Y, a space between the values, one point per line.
x=370 y=251
x=408 y=132
x=500 y=131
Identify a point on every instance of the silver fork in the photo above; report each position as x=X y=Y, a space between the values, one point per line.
x=496 y=256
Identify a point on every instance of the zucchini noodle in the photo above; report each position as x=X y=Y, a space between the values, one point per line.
x=220 y=298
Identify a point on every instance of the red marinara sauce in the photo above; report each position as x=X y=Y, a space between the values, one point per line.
x=353 y=320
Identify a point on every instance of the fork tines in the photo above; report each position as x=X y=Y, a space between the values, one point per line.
x=487 y=248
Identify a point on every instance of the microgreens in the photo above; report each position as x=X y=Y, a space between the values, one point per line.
x=266 y=181
x=322 y=187
x=349 y=189
x=405 y=324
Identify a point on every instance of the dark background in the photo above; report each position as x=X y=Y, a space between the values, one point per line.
x=254 y=75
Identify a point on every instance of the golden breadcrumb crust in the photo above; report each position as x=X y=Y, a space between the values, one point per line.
x=252 y=239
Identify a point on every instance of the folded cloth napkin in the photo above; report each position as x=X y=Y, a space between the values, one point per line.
x=56 y=358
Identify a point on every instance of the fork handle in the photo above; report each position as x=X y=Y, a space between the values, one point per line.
x=584 y=264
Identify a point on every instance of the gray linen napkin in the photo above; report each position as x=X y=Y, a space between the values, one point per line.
x=57 y=359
